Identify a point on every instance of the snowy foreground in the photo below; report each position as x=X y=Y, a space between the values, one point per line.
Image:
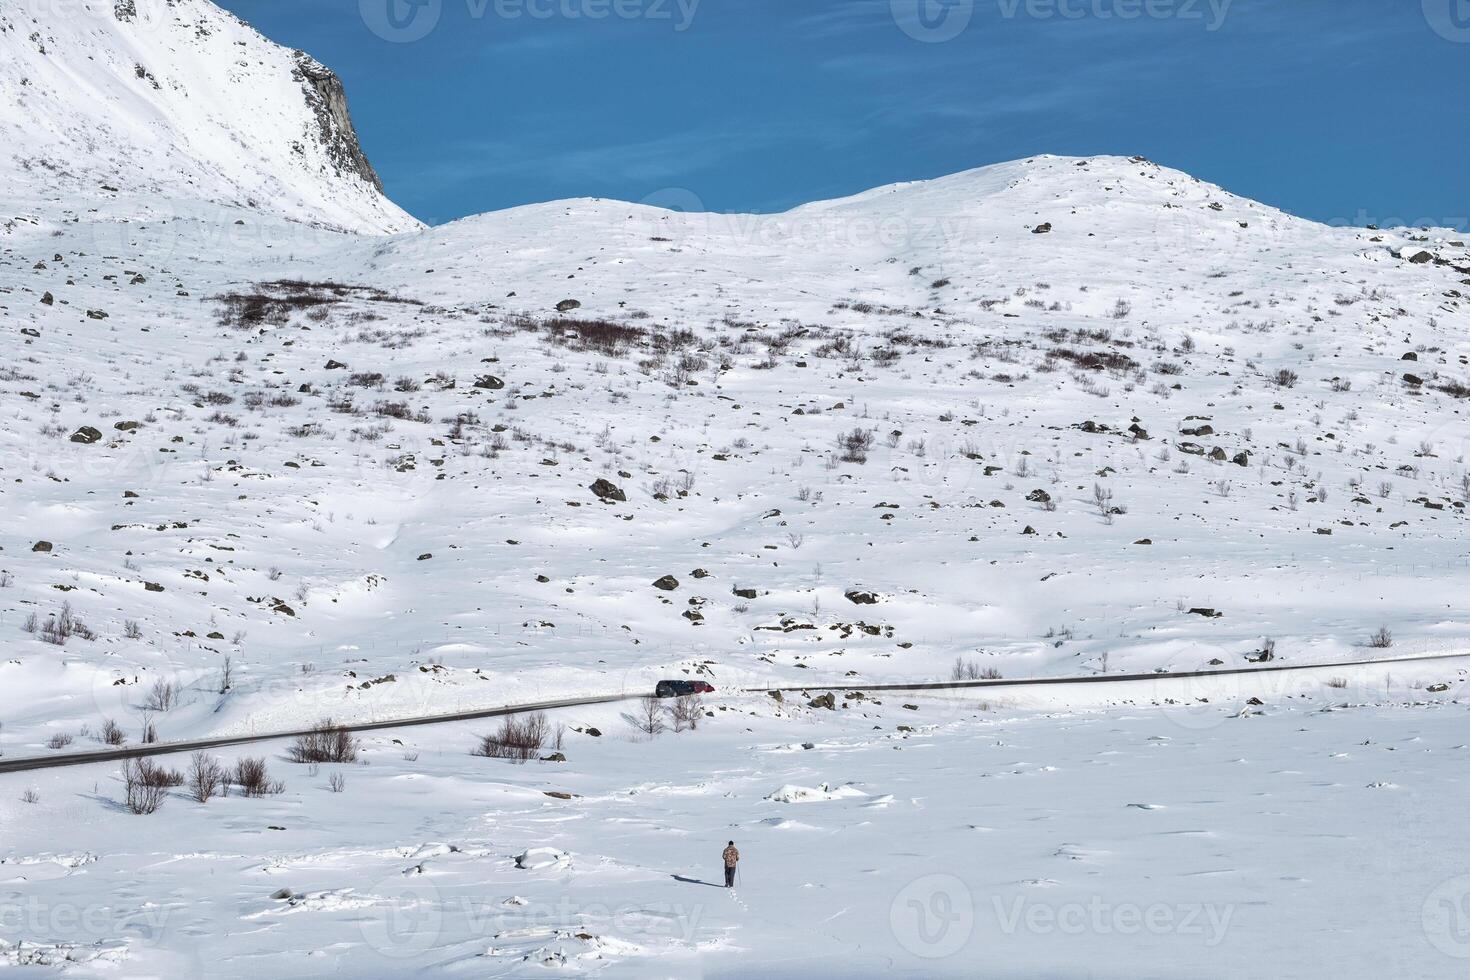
x=953 y=838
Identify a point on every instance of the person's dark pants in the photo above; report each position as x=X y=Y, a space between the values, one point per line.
x=729 y=877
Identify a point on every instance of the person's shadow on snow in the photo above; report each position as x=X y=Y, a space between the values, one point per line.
x=695 y=881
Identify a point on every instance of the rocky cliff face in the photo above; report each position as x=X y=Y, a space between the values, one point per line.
x=148 y=107
x=328 y=100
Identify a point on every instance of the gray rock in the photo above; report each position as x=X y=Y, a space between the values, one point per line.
x=605 y=490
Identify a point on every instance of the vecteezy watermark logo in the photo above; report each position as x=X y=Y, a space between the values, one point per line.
x=1450 y=19
x=933 y=916
x=932 y=21
x=408 y=919
x=405 y=21
x=1446 y=918
x=1099 y=918
x=401 y=21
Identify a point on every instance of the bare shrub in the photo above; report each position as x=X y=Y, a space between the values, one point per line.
x=162 y=696
x=326 y=742
x=686 y=712
x=1381 y=640
x=649 y=718
x=853 y=447
x=206 y=776
x=153 y=774
x=111 y=734
x=336 y=782
x=966 y=670
x=141 y=796
x=61 y=626
x=601 y=336
x=254 y=780
x=519 y=740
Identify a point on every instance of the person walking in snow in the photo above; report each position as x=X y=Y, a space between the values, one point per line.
x=732 y=858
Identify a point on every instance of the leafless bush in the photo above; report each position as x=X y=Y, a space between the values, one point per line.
x=141 y=796
x=62 y=626
x=326 y=742
x=1381 y=640
x=132 y=630
x=162 y=697
x=966 y=670
x=206 y=776
x=686 y=712
x=1285 y=378
x=1103 y=498
x=336 y=782
x=649 y=718
x=254 y=780
x=153 y=774
x=30 y=796
x=519 y=740
x=601 y=336
x=111 y=734
x=853 y=447
x=1337 y=682
x=58 y=741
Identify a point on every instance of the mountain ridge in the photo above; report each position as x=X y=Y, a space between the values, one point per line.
x=158 y=103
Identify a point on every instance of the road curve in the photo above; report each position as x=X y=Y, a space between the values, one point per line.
x=31 y=763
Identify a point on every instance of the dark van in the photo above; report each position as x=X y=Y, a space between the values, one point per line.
x=679 y=689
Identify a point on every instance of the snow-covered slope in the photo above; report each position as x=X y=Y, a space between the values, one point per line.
x=1049 y=416
x=139 y=106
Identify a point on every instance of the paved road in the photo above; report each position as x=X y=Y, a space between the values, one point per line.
x=29 y=763
x=1117 y=678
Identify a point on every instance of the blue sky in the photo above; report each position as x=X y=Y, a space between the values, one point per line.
x=1349 y=111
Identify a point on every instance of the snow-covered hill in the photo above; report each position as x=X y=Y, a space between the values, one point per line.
x=1049 y=416
x=129 y=106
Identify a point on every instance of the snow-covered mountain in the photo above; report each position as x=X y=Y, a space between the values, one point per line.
x=133 y=105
